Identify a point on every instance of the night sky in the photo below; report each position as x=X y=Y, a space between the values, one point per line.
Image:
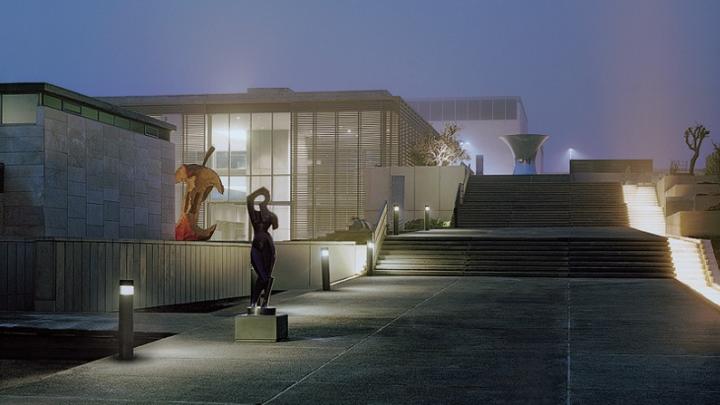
x=608 y=78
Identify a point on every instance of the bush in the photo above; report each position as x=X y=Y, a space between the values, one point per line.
x=712 y=163
x=417 y=224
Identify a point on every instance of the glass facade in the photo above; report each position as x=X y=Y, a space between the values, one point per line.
x=308 y=149
x=252 y=150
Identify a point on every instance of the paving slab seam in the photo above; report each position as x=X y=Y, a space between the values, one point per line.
x=567 y=360
x=366 y=338
x=124 y=401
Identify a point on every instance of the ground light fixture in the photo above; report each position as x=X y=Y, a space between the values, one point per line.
x=370 y=254
x=396 y=219
x=125 y=320
x=426 y=220
x=325 y=268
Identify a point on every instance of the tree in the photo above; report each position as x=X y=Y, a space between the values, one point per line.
x=439 y=150
x=694 y=137
x=712 y=162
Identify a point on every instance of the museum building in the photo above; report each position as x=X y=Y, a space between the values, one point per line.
x=74 y=166
x=308 y=148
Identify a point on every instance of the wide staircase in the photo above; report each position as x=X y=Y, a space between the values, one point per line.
x=540 y=201
x=557 y=252
x=541 y=225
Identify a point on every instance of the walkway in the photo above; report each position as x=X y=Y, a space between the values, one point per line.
x=432 y=340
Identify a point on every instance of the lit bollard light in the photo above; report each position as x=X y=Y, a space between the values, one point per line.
x=426 y=222
x=325 y=267
x=370 y=254
x=125 y=321
x=396 y=219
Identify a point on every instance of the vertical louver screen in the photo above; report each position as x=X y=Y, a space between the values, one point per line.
x=330 y=151
x=194 y=148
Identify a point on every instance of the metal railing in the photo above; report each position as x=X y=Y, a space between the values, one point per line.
x=378 y=235
x=460 y=194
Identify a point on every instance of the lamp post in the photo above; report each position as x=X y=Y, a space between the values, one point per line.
x=426 y=221
x=325 y=268
x=125 y=320
x=370 y=254
x=396 y=219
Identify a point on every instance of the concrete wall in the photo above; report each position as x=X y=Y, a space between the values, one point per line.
x=432 y=185
x=17 y=261
x=21 y=205
x=696 y=224
x=66 y=275
x=298 y=263
x=69 y=176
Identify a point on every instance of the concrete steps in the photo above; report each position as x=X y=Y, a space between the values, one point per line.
x=467 y=254
x=540 y=201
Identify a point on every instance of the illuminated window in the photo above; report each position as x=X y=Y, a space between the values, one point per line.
x=19 y=108
x=261 y=144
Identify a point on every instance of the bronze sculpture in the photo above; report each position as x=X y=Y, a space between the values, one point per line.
x=199 y=181
x=262 y=253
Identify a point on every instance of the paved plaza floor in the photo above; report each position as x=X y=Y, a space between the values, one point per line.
x=433 y=340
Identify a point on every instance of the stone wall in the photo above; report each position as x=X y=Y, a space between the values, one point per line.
x=21 y=150
x=69 y=176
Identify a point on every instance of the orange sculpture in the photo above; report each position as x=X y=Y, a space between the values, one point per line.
x=199 y=182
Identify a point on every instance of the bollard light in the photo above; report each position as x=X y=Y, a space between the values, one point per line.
x=370 y=254
x=125 y=320
x=396 y=219
x=426 y=221
x=325 y=268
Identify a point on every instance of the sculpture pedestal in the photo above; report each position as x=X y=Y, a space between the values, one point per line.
x=261 y=328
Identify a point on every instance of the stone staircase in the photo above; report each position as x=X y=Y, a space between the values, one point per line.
x=540 y=201
x=554 y=252
x=542 y=225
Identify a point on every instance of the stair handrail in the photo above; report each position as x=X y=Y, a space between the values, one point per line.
x=460 y=194
x=378 y=235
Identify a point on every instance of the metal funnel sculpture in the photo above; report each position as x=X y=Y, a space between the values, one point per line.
x=524 y=148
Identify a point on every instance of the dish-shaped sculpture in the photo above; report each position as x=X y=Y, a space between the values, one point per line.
x=199 y=181
x=262 y=252
x=524 y=148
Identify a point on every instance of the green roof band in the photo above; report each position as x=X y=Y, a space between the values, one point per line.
x=138 y=127
x=106 y=118
x=52 y=102
x=91 y=113
x=85 y=111
x=71 y=107
x=122 y=122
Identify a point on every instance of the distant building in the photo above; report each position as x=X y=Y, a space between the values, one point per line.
x=308 y=148
x=482 y=120
x=79 y=167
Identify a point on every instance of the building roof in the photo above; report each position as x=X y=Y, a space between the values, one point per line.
x=461 y=108
x=256 y=96
x=81 y=98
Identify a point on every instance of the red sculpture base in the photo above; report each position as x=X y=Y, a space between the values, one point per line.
x=186 y=229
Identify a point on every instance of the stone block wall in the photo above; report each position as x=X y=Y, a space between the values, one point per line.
x=21 y=204
x=69 y=176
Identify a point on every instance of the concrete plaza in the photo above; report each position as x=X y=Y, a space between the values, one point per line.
x=429 y=340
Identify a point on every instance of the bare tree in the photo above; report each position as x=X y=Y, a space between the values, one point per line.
x=440 y=150
x=694 y=137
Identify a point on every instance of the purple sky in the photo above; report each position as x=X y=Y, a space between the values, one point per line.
x=610 y=78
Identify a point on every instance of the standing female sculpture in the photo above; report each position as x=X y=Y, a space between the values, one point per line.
x=262 y=253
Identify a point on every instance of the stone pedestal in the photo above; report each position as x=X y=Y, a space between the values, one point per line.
x=261 y=328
